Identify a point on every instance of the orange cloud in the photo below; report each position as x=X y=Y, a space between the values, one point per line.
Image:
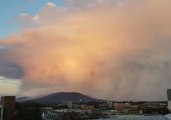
x=106 y=51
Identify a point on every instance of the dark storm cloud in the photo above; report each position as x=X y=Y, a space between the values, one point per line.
x=8 y=69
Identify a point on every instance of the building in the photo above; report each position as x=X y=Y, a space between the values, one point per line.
x=119 y=106
x=169 y=99
x=69 y=104
x=50 y=115
x=64 y=114
x=1 y=112
x=8 y=103
x=87 y=107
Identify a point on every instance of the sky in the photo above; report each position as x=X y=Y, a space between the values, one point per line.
x=109 y=49
x=10 y=10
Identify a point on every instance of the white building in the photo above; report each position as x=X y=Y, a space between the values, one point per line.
x=169 y=99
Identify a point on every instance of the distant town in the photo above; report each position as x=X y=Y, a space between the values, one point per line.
x=75 y=106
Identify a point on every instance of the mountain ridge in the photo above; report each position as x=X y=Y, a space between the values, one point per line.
x=60 y=97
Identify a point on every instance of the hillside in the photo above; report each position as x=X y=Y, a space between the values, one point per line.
x=60 y=98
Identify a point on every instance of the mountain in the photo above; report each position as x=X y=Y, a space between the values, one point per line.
x=60 y=98
x=22 y=98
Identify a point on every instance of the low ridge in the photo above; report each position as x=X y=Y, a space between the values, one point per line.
x=61 y=97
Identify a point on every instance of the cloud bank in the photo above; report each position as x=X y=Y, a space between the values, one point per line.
x=118 y=50
x=12 y=85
